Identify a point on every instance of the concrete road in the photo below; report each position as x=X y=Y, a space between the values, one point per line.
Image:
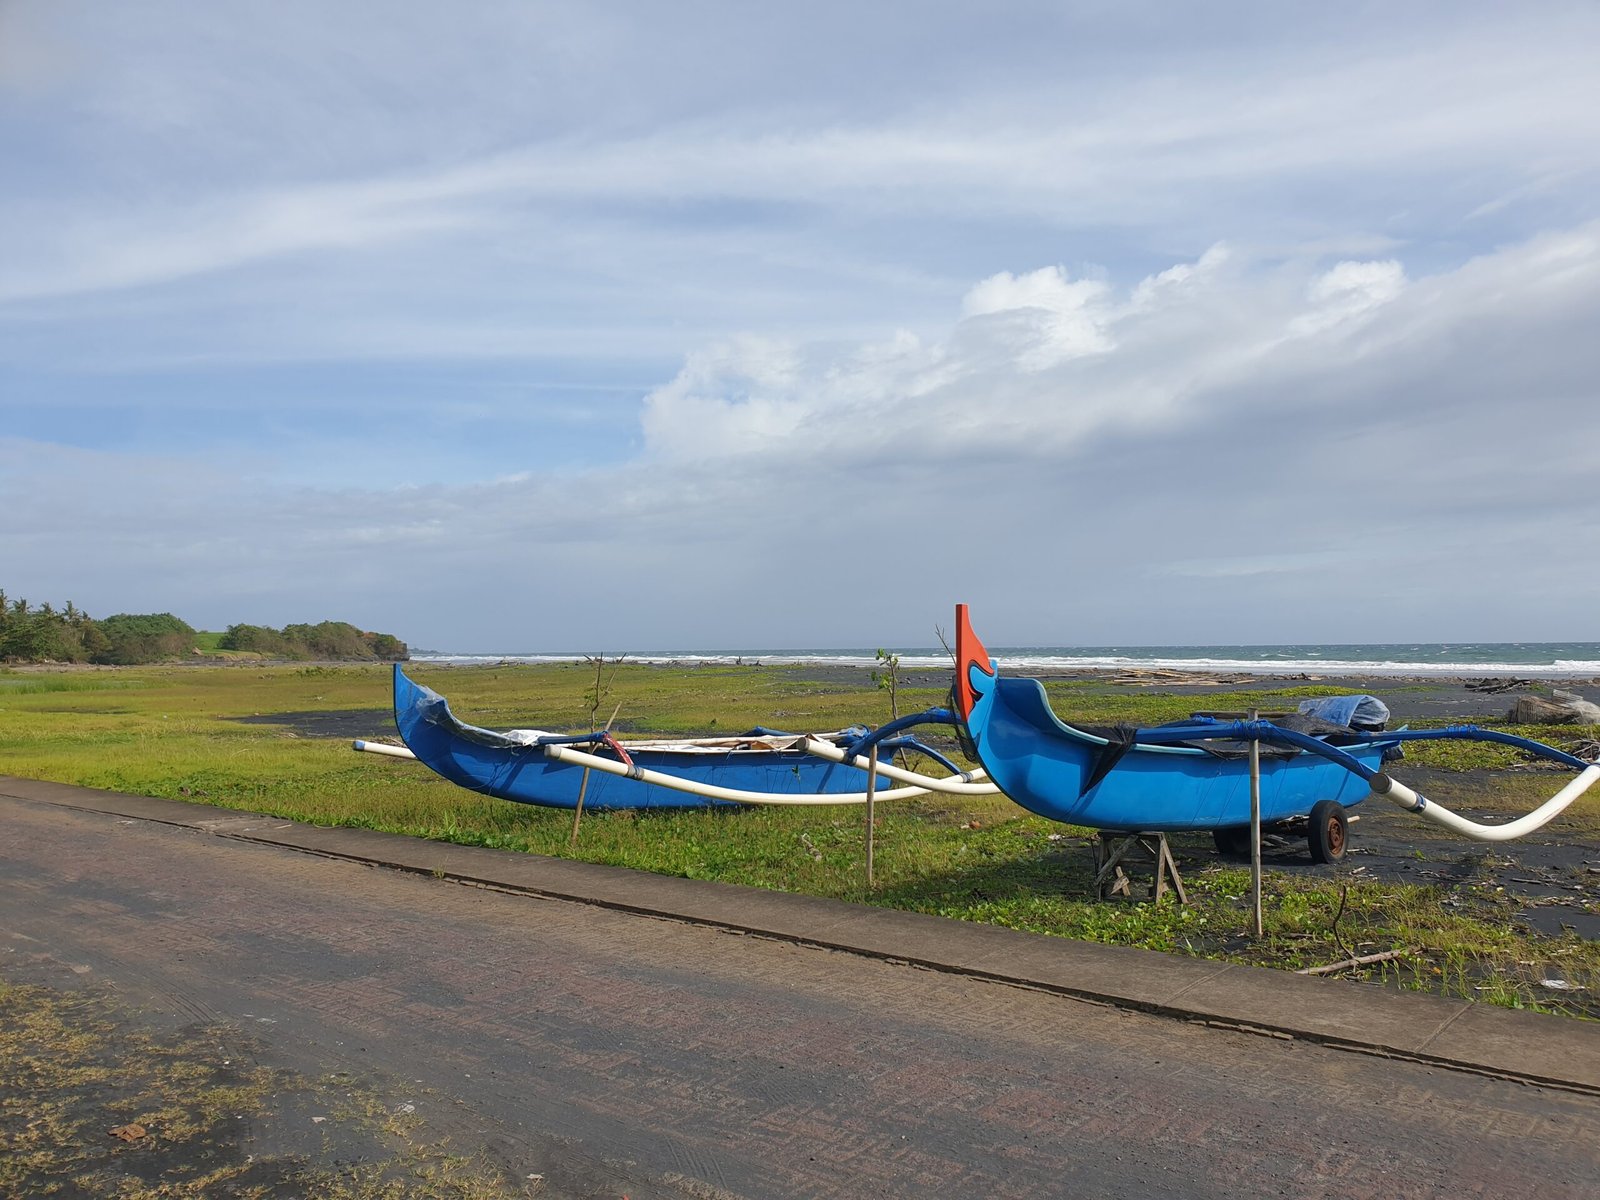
x=615 y=1053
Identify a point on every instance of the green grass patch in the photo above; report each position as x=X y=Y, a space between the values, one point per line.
x=23 y=684
x=1471 y=756
x=175 y=732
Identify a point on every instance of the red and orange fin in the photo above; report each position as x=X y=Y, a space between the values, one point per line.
x=969 y=651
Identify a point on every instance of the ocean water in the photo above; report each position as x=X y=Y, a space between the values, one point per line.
x=1541 y=660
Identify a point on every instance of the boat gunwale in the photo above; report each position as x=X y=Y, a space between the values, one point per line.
x=721 y=746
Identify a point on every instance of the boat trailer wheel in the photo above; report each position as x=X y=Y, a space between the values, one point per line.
x=1232 y=841
x=1328 y=831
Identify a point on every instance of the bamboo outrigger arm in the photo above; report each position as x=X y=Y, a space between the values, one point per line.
x=712 y=791
x=969 y=783
x=920 y=785
x=1432 y=810
x=381 y=748
x=1398 y=793
x=975 y=782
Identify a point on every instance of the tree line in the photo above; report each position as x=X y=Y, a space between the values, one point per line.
x=44 y=633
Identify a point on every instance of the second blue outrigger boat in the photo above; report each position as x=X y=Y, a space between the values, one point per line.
x=1185 y=776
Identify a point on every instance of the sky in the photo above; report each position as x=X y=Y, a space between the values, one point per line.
x=619 y=327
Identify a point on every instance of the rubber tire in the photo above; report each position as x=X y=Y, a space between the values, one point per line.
x=1329 y=831
x=1232 y=841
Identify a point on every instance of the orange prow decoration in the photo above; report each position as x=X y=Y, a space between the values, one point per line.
x=969 y=650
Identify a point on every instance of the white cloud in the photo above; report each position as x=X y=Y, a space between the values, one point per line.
x=726 y=399
x=1349 y=292
x=1216 y=473
x=942 y=316
x=1037 y=364
x=195 y=165
x=1045 y=317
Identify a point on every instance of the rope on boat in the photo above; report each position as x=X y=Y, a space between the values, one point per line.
x=627 y=759
x=712 y=791
x=1432 y=810
x=968 y=783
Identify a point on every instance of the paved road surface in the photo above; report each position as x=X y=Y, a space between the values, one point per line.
x=616 y=1053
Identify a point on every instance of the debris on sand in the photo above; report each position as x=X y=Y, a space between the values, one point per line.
x=1493 y=687
x=1563 y=708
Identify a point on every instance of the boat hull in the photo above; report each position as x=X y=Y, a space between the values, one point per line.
x=1044 y=765
x=1049 y=767
x=483 y=761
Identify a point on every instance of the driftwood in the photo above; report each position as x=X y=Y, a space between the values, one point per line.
x=1565 y=708
x=1167 y=675
x=1587 y=713
x=1493 y=687
x=1362 y=961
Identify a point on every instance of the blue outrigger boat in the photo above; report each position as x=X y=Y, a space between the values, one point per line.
x=1191 y=775
x=1187 y=776
x=554 y=770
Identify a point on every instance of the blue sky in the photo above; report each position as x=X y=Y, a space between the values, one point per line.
x=631 y=326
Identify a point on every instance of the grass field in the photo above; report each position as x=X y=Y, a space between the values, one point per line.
x=179 y=732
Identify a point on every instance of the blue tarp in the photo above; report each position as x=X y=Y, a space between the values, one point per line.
x=1357 y=712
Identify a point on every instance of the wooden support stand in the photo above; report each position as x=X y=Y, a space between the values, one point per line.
x=1114 y=851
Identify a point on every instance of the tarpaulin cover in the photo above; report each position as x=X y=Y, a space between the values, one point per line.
x=1357 y=712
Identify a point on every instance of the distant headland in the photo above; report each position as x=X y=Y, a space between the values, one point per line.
x=46 y=634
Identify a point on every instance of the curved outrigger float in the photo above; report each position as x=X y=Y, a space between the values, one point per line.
x=1186 y=777
x=762 y=767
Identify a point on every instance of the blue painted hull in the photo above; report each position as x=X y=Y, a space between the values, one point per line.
x=486 y=762
x=1043 y=764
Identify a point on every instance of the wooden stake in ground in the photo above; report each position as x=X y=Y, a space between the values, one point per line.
x=872 y=788
x=1255 y=824
x=583 y=786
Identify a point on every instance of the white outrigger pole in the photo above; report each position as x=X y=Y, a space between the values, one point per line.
x=969 y=783
x=1431 y=810
x=382 y=748
x=1398 y=793
x=960 y=783
x=712 y=791
x=917 y=785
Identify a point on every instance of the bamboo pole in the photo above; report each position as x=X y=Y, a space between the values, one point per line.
x=1255 y=825
x=583 y=786
x=872 y=790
